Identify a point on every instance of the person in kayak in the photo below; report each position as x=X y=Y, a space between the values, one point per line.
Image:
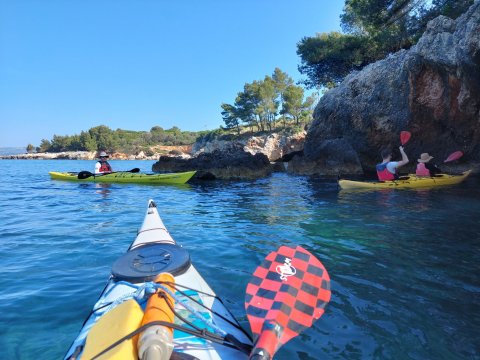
x=102 y=166
x=387 y=169
x=425 y=167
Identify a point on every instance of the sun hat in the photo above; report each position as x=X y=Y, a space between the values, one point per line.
x=103 y=154
x=425 y=157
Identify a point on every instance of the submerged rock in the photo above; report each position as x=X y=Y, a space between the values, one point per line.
x=432 y=90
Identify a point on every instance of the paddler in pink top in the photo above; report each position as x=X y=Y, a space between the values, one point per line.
x=425 y=168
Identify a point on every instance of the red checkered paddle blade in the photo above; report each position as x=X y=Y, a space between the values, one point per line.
x=287 y=293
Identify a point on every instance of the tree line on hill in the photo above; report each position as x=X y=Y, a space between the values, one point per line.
x=372 y=29
x=261 y=106
x=103 y=138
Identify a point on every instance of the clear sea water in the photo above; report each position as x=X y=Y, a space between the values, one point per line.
x=405 y=265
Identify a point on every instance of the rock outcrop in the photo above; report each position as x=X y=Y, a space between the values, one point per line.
x=237 y=158
x=229 y=163
x=431 y=90
x=274 y=146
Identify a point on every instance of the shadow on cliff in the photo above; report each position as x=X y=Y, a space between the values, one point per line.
x=432 y=90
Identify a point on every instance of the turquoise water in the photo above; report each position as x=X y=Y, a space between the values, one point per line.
x=404 y=264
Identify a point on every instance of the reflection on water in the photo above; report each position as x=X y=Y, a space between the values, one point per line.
x=403 y=263
x=103 y=189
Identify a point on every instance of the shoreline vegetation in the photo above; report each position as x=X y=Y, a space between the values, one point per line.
x=92 y=155
x=219 y=139
x=264 y=107
x=393 y=68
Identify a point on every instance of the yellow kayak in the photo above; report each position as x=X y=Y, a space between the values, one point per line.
x=127 y=177
x=410 y=181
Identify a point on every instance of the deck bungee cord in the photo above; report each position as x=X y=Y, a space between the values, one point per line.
x=157 y=306
x=144 y=291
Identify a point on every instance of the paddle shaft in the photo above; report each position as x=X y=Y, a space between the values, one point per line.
x=267 y=343
x=86 y=174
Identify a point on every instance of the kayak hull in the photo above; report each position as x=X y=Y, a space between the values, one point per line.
x=153 y=234
x=411 y=181
x=128 y=178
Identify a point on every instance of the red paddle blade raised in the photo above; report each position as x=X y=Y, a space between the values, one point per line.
x=405 y=136
x=287 y=293
x=454 y=156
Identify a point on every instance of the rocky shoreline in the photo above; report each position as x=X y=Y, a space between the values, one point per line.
x=249 y=157
x=244 y=158
x=92 y=155
x=75 y=155
x=431 y=90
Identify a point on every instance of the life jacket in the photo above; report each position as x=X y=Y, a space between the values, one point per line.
x=105 y=167
x=422 y=170
x=383 y=173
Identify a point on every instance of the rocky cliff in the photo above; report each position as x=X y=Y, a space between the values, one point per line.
x=275 y=146
x=241 y=158
x=431 y=90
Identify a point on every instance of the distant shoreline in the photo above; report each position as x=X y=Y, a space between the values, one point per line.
x=76 y=155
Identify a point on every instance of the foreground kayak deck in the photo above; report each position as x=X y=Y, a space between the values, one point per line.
x=408 y=182
x=128 y=177
x=152 y=252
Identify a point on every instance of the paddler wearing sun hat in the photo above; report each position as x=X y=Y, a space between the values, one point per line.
x=425 y=168
x=102 y=166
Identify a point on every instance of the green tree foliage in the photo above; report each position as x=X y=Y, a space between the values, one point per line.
x=44 y=146
x=87 y=141
x=328 y=58
x=245 y=104
x=293 y=102
x=268 y=104
x=295 y=107
x=60 y=143
x=30 y=148
x=262 y=101
x=281 y=81
x=232 y=121
x=372 y=30
x=103 y=138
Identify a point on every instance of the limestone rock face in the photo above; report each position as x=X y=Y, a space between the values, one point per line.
x=274 y=146
x=431 y=90
x=237 y=158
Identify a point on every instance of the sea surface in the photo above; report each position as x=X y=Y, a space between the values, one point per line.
x=404 y=264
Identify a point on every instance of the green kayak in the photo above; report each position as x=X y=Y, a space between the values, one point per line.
x=126 y=177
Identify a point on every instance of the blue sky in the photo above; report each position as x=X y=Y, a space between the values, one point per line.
x=66 y=66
